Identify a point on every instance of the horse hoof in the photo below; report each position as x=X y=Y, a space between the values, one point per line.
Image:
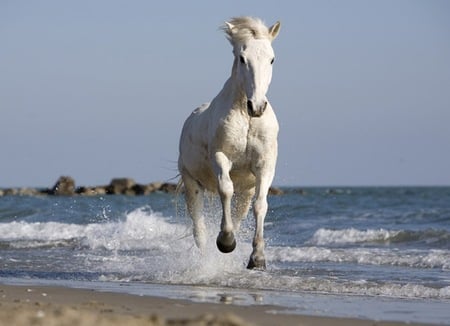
x=259 y=264
x=226 y=243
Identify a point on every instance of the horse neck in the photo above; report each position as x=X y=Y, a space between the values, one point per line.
x=235 y=87
x=232 y=95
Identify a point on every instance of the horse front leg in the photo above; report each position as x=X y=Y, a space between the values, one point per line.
x=225 y=240
x=257 y=258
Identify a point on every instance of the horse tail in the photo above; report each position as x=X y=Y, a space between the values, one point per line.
x=179 y=185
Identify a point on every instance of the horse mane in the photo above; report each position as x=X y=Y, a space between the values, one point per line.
x=241 y=29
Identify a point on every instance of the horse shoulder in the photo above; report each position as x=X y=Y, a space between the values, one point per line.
x=193 y=141
x=196 y=122
x=230 y=134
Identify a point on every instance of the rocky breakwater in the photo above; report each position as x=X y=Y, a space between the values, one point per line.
x=65 y=186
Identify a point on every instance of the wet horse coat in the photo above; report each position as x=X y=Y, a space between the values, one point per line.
x=229 y=146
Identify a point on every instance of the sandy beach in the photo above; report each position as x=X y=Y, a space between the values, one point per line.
x=50 y=305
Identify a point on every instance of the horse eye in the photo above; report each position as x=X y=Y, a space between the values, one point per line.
x=271 y=61
x=241 y=58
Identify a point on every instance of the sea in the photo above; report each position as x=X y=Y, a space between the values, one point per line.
x=380 y=253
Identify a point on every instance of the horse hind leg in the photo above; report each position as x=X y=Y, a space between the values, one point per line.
x=194 y=200
x=243 y=202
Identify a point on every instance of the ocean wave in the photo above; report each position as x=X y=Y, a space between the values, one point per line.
x=141 y=229
x=146 y=246
x=429 y=237
x=323 y=237
x=434 y=258
x=145 y=230
x=31 y=235
x=40 y=244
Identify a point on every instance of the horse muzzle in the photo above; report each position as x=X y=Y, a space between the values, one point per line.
x=255 y=111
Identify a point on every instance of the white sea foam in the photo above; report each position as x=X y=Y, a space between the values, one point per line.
x=370 y=256
x=48 y=231
x=141 y=229
x=324 y=237
x=146 y=247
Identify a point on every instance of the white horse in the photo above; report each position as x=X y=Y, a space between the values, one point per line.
x=229 y=146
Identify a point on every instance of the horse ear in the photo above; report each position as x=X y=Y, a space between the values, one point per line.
x=229 y=28
x=274 y=30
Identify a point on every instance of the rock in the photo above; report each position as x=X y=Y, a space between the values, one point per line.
x=275 y=191
x=146 y=189
x=154 y=186
x=139 y=189
x=65 y=186
x=119 y=186
x=19 y=192
x=81 y=190
x=169 y=188
x=130 y=192
x=300 y=192
x=28 y=192
x=10 y=192
x=98 y=191
x=125 y=186
x=91 y=191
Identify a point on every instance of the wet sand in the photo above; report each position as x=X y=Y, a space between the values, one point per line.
x=51 y=305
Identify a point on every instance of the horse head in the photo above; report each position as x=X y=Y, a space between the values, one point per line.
x=254 y=57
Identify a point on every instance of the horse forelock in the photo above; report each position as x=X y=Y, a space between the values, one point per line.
x=246 y=28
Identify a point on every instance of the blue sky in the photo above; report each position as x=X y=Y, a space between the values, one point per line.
x=100 y=89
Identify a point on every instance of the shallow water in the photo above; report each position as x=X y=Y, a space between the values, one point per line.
x=373 y=245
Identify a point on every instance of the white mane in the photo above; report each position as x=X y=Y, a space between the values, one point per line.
x=241 y=29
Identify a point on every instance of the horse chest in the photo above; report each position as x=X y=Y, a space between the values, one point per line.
x=232 y=138
x=241 y=142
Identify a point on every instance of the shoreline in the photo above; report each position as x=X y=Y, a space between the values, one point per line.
x=59 y=305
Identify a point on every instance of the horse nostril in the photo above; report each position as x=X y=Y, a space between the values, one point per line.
x=264 y=106
x=250 y=106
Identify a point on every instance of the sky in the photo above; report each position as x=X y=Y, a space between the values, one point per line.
x=100 y=89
